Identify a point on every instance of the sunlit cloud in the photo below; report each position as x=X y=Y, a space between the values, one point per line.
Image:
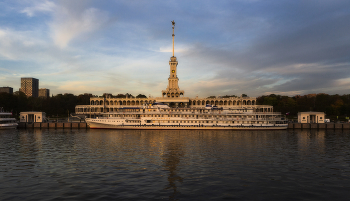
x=223 y=48
x=69 y=24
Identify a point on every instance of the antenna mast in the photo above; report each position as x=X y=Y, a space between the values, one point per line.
x=173 y=35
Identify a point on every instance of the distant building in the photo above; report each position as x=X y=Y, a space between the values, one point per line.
x=311 y=117
x=30 y=86
x=44 y=93
x=6 y=90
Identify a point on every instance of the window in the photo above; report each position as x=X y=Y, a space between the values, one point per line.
x=303 y=117
x=320 y=117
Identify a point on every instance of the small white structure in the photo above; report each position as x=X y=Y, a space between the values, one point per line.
x=32 y=117
x=311 y=117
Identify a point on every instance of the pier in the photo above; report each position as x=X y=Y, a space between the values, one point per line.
x=326 y=126
x=55 y=125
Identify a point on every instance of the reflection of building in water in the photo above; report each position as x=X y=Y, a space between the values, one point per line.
x=311 y=139
x=171 y=159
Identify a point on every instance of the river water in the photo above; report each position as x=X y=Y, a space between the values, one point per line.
x=42 y=164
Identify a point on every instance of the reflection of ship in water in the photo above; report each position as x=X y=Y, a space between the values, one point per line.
x=171 y=159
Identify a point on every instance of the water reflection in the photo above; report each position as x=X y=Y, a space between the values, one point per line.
x=311 y=140
x=173 y=165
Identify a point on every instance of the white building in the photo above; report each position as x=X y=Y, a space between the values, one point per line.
x=32 y=117
x=172 y=96
x=311 y=117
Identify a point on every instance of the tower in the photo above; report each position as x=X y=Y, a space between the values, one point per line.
x=30 y=86
x=173 y=90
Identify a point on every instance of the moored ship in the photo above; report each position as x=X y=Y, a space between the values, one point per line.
x=6 y=120
x=188 y=119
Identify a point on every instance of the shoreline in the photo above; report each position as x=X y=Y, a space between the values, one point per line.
x=83 y=125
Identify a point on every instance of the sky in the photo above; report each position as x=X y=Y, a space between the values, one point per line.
x=226 y=47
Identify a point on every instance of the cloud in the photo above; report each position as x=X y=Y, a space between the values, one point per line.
x=39 y=6
x=18 y=45
x=230 y=47
x=69 y=24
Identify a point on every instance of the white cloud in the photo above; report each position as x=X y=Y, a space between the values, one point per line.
x=19 y=45
x=69 y=24
x=40 y=6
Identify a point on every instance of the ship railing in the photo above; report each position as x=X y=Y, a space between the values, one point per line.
x=245 y=119
x=214 y=112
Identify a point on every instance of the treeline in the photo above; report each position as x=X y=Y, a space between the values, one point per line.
x=61 y=104
x=332 y=105
x=58 y=105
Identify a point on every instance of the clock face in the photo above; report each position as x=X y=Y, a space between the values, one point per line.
x=173 y=71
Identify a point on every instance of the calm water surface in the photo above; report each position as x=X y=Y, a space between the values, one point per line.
x=174 y=165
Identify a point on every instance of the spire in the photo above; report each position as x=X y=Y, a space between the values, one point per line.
x=173 y=23
x=173 y=90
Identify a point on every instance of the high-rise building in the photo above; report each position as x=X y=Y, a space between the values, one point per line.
x=30 y=86
x=6 y=90
x=43 y=92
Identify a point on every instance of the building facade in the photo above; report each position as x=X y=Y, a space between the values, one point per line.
x=311 y=117
x=6 y=90
x=32 y=117
x=30 y=86
x=172 y=96
x=44 y=93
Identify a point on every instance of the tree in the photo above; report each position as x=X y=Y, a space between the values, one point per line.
x=141 y=96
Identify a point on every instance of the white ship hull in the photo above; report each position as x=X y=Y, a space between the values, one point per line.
x=156 y=123
x=8 y=126
x=188 y=127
